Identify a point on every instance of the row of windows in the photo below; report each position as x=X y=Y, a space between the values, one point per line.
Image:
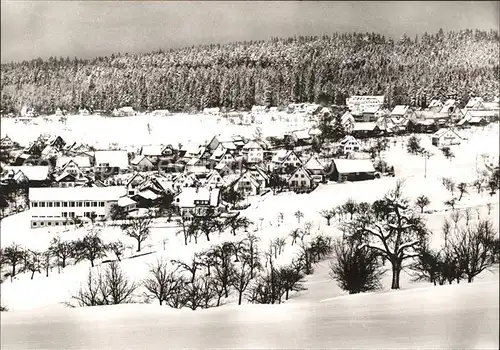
x=55 y=223
x=71 y=204
x=302 y=183
x=301 y=175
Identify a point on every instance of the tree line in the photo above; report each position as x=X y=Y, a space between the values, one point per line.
x=323 y=69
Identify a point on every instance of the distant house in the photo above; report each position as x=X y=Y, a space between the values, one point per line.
x=110 y=162
x=349 y=144
x=352 y=170
x=141 y=163
x=347 y=121
x=401 y=111
x=124 y=112
x=435 y=105
x=366 y=130
x=300 y=178
x=247 y=185
x=302 y=137
x=195 y=199
x=83 y=162
x=211 y=111
x=259 y=109
x=260 y=175
x=488 y=116
x=133 y=184
x=222 y=154
x=315 y=169
x=253 y=152
x=71 y=176
x=127 y=203
x=6 y=142
x=214 y=180
x=369 y=113
x=50 y=151
x=33 y=176
x=156 y=153
x=284 y=159
x=445 y=137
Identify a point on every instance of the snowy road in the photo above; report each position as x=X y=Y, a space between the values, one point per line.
x=457 y=316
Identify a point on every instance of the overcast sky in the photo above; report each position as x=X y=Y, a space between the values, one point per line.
x=87 y=29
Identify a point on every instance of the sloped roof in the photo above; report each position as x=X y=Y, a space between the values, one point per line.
x=152 y=150
x=138 y=159
x=301 y=134
x=370 y=109
x=436 y=103
x=190 y=194
x=125 y=200
x=81 y=161
x=347 y=116
x=472 y=102
x=252 y=145
x=299 y=170
x=117 y=158
x=441 y=132
x=32 y=173
x=400 y=110
x=313 y=164
x=148 y=194
x=345 y=166
x=77 y=193
x=368 y=126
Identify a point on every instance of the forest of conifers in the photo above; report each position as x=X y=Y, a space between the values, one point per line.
x=324 y=69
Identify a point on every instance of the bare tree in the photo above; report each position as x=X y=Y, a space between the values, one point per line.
x=294 y=234
x=185 y=227
x=280 y=243
x=478 y=184
x=467 y=215
x=241 y=278
x=117 y=248
x=192 y=267
x=62 y=250
x=474 y=248
x=253 y=253
x=299 y=215
x=355 y=269
x=462 y=188
x=47 y=262
x=292 y=277
x=224 y=266
x=350 y=207
x=238 y=222
x=396 y=238
x=91 y=247
x=33 y=262
x=139 y=228
x=422 y=201
x=328 y=214
x=109 y=288
x=455 y=217
x=199 y=293
x=163 y=284
x=13 y=255
x=280 y=218
x=449 y=184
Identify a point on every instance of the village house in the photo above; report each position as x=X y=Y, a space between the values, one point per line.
x=253 y=153
x=352 y=170
x=284 y=160
x=315 y=169
x=472 y=118
x=302 y=137
x=141 y=163
x=71 y=176
x=247 y=185
x=211 y=111
x=127 y=204
x=221 y=154
x=6 y=142
x=445 y=137
x=50 y=206
x=349 y=144
x=124 y=112
x=31 y=176
x=214 y=180
x=195 y=199
x=347 y=121
x=110 y=162
x=156 y=153
x=132 y=185
x=299 y=179
x=84 y=112
x=435 y=105
x=83 y=162
x=363 y=130
x=369 y=113
x=401 y=111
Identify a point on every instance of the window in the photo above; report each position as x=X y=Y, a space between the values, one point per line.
x=42 y=223
x=303 y=183
x=49 y=223
x=34 y=223
x=65 y=204
x=94 y=204
x=72 y=204
x=57 y=223
x=131 y=193
x=79 y=204
x=87 y=204
x=49 y=204
x=42 y=204
x=34 y=204
x=296 y=175
x=57 y=204
x=101 y=204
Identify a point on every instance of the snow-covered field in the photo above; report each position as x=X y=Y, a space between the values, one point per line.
x=463 y=316
x=452 y=317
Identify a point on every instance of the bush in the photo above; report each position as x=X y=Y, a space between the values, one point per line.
x=355 y=269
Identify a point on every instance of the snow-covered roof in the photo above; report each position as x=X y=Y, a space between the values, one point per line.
x=476 y=120
x=124 y=201
x=345 y=166
x=152 y=150
x=32 y=173
x=81 y=161
x=346 y=117
x=148 y=194
x=485 y=114
x=228 y=145
x=367 y=126
x=436 y=103
x=400 y=110
x=348 y=138
x=138 y=159
x=443 y=131
x=117 y=158
x=126 y=109
x=314 y=132
x=472 y=102
x=301 y=134
x=109 y=193
x=313 y=164
x=252 y=145
x=371 y=109
x=191 y=194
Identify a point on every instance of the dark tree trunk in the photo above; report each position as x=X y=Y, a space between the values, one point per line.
x=396 y=271
x=32 y=274
x=138 y=245
x=63 y=262
x=92 y=262
x=240 y=296
x=286 y=295
x=470 y=278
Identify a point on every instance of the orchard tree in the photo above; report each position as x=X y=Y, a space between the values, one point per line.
x=62 y=250
x=13 y=255
x=328 y=214
x=462 y=188
x=90 y=247
x=163 y=284
x=299 y=215
x=422 y=201
x=350 y=207
x=413 y=145
x=139 y=228
x=396 y=237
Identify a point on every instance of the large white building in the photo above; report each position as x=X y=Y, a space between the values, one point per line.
x=52 y=206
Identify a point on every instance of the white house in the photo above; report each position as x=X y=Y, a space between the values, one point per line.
x=445 y=137
x=300 y=178
x=352 y=169
x=253 y=152
x=116 y=159
x=6 y=142
x=284 y=158
x=195 y=198
x=315 y=169
x=124 y=112
x=349 y=144
x=26 y=173
x=71 y=176
x=347 y=121
x=52 y=206
x=141 y=163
